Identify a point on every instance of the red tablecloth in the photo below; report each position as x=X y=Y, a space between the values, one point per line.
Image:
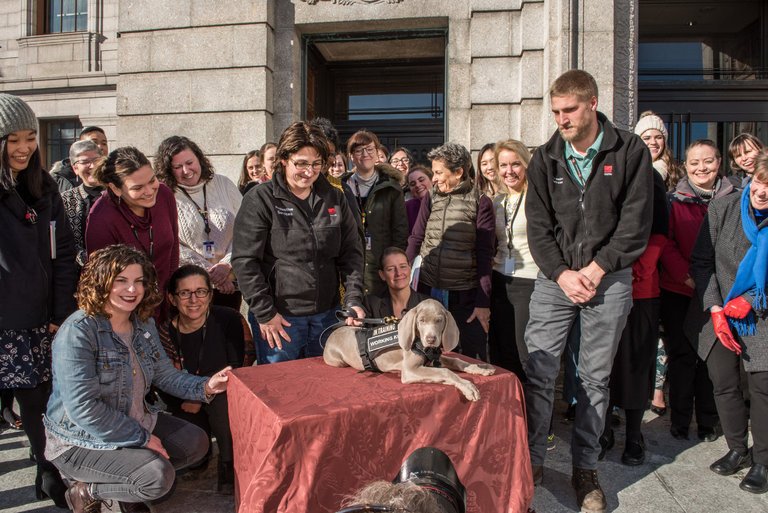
x=306 y=434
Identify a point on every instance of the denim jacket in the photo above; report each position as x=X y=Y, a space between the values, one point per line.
x=92 y=379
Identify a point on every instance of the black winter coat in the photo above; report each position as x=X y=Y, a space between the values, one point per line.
x=608 y=222
x=35 y=288
x=289 y=263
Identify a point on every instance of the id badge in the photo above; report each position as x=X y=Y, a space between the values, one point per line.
x=509 y=266
x=368 y=242
x=208 y=249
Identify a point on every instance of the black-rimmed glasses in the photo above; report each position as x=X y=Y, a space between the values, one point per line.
x=186 y=294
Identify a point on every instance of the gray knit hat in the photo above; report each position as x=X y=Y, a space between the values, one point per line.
x=15 y=115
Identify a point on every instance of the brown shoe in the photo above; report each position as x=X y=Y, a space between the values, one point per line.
x=538 y=474
x=133 y=507
x=589 y=495
x=80 y=500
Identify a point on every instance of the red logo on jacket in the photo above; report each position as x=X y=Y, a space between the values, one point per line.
x=608 y=170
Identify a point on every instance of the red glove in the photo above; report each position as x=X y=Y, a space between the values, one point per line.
x=723 y=331
x=737 y=308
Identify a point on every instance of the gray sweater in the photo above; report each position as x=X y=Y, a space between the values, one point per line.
x=716 y=257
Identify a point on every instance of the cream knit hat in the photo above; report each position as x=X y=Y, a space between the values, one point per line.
x=652 y=121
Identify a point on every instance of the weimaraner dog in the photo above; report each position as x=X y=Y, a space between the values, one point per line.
x=428 y=322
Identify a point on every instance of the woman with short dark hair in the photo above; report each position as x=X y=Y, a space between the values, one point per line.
x=295 y=239
x=454 y=236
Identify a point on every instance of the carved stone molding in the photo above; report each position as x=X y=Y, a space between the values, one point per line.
x=352 y=2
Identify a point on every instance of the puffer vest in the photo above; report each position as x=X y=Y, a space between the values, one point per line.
x=449 y=260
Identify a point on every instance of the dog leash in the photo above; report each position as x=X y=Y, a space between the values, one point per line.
x=343 y=315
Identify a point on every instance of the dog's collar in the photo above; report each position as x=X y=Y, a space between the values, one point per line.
x=431 y=354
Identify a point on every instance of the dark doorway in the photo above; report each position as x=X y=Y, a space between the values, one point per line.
x=703 y=66
x=392 y=84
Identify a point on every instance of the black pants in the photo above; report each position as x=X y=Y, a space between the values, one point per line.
x=723 y=368
x=32 y=405
x=689 y=383
x=510 y=298
x=634 y=365
x=213 y=418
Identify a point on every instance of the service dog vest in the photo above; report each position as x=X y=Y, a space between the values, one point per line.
x=372 y=342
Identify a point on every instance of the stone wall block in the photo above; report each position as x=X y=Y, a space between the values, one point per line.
x=491 y=34
x=253 y=45
x=597 y=15
x=205 y=12
x=228 y=90
x=535 y=122
x=154 y=93
x=495 y=5
x=460 y=41
x=495 y=80
x=154 y=15
x=459 y=86
x=531 y=72
x=534 y=24
x=489 y=124
x=134 y=51
x=459 y=126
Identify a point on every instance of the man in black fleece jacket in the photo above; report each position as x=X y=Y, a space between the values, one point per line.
x=588 y=210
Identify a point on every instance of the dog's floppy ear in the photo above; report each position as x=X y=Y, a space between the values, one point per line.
x=406 y=329
x=450 y=332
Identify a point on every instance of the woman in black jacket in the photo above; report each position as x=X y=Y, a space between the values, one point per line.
x=203 y=338
x=295 y=239
x=37 y=279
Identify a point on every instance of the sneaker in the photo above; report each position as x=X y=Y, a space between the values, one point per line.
x=589 y=495
x=551 y=442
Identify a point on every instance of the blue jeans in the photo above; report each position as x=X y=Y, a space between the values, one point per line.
x=305 y=338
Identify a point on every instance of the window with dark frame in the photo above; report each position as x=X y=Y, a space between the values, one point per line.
x=58 y=16
x=57 y=135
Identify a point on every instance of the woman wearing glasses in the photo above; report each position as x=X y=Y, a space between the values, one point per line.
x=379 y=196
x=402 y=159
x=295 y=238
x=207 y=205
x=203 y=338
x=137 y=210
x=84 y=156
x=101 y=432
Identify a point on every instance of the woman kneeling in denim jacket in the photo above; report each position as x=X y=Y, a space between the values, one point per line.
x=100 y=431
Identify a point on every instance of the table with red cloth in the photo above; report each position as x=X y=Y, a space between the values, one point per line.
x=306 y=434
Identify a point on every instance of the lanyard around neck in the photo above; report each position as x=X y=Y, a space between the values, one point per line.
x=509 y=222
x=202 y=211
x=177 y=340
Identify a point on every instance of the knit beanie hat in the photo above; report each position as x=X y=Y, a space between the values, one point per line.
x=652 y=121
x=15 y=115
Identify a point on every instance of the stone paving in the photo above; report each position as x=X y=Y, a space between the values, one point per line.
x=674 y=479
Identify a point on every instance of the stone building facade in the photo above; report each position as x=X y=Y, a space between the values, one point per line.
x=232 y=74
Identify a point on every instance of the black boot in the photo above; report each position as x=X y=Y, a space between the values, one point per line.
x=607 y=441
x=589 y=494
x=48 y=484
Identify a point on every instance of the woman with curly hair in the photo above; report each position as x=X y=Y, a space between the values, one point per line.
x=207 y=204
x=101 y=432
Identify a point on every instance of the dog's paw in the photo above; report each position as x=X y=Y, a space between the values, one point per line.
x=482 y=369
x=469 y=390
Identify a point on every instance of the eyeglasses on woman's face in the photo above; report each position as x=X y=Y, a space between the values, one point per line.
x=370 y=150
x=198 y=293
x=303 y=165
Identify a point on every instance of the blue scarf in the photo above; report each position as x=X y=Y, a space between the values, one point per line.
x=751 y=275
